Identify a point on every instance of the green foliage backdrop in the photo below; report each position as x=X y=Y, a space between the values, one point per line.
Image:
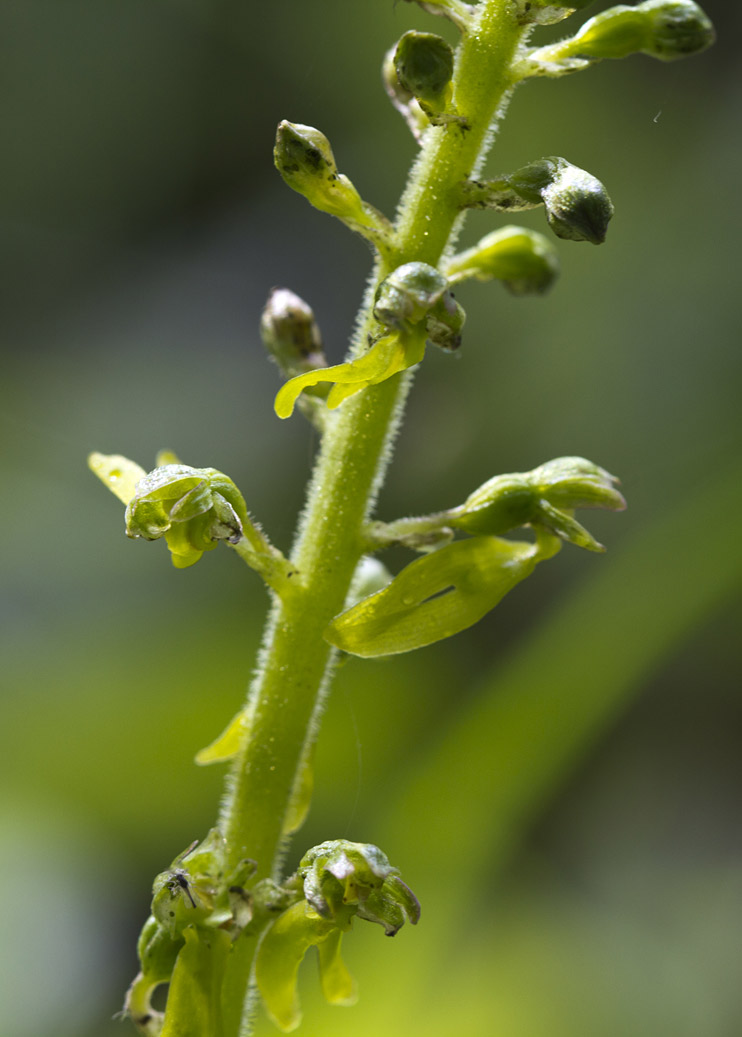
x=575 y=756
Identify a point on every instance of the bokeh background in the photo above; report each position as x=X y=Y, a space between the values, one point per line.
x=559 y=784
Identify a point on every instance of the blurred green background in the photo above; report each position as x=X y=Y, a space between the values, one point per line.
x=559 y=784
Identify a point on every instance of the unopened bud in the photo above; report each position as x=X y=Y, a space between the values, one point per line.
x=290 y=333
x=424 y=64
x=523 y=260
x=304 y=159
x=664 y=29
x=577 y=204
x=408 y=294
x=445 y=323
x=679 y=28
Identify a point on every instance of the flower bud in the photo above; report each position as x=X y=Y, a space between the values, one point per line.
x=577 y=204
x=424 y=64
x=304 y=159
x=664 y=29
x=523 y=260
x=290 y=333
x=408 y=294
x=679 y=28
x=444 y=324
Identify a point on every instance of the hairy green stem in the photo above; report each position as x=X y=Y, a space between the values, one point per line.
x=295 y=665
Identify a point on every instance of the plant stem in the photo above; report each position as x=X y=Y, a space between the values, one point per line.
x=287 y=694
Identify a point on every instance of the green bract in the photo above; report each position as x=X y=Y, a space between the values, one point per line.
x=390 y=355
x=524 y=260
x=194 y=1004
x=435 y=596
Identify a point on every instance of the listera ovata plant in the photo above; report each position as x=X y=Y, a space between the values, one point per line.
x=226 y=927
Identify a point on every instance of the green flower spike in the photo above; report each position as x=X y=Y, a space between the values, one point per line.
x=543 y=498
x=525 y=261
x=424 y=65
x=663 y=29
x=403 y=300
x=577 y=204
x=438 y=595
x=304 y=159
x=339 y=880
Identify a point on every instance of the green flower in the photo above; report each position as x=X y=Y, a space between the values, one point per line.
x=192 y=508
